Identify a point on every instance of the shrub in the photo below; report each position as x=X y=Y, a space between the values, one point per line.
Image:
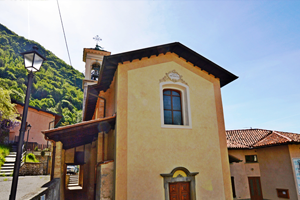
x=43 y=153
x=36 y=148
x=4 y=151
x=31 y=156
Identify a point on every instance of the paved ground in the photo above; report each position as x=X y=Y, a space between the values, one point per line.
x=27 y=186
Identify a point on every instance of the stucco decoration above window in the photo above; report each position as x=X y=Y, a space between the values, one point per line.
x=173 y=76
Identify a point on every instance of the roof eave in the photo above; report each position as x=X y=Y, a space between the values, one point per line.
x=112 y=62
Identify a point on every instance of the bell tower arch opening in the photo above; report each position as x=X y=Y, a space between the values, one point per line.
x=95 y=71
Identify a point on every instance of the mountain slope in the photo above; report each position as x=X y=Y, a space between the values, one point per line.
x=56 y=87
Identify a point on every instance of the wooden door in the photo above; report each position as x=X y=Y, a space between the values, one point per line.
x=255 y=188
x=179 y=191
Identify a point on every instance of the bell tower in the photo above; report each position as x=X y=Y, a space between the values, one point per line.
x=93 y=58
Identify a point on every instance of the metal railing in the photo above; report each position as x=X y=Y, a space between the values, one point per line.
x=31 y=146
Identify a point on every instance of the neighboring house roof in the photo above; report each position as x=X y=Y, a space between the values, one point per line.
x=257 y=138
x=57 y=116
x=110 y=64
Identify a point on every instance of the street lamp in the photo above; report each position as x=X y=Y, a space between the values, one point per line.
x=33 y=62
x=28 y=127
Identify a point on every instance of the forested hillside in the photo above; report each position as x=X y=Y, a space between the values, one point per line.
x=57 y=87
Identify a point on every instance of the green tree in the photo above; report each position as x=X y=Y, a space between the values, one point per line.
x=8 y=112
x=57 y=86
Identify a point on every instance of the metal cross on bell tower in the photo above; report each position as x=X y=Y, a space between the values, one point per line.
x=98 y=39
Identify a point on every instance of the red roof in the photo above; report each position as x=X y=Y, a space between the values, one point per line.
x=255 y=138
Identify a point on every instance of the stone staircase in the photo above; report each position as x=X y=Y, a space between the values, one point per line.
x=7 y=168
x=73 y=180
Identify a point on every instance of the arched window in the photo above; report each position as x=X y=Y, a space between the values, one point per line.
x=175 y=106
x=172 y=107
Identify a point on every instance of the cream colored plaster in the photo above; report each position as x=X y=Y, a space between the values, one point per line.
x=145 y=150
x=121 y=136
x=223 y=141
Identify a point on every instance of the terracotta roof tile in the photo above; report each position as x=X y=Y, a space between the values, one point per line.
x=254 y=138
x=231 y=144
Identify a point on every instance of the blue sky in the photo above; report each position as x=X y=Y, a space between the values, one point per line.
x=259 y=41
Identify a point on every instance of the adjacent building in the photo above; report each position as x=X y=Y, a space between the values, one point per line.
x=265 y=164
x=39 y=120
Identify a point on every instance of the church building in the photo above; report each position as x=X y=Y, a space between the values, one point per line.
x=153 y=128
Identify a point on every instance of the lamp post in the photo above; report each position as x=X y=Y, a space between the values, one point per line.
x=28 y=127
x=32 y=61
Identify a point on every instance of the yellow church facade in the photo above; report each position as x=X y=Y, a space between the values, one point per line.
x=153 y=128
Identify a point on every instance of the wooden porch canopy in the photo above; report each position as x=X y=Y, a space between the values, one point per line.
x=81 y=133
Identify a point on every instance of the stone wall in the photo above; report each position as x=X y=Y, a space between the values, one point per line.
x=43 y=160
x=31 y=169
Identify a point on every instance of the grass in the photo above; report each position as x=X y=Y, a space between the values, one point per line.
x=4 y=151
x=30 y=158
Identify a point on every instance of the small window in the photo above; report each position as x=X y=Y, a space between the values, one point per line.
x=251 y=158
x=172 y=107
x=283 y=193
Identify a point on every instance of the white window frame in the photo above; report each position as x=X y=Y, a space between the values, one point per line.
x=185 y=101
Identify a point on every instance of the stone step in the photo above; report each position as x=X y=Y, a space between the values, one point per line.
x=5 y=174
x=12 y=153
x=73 y=184
x=7 y=167
x=6 y=170
x=8 y=164
x=11 y=156
x=10 y=160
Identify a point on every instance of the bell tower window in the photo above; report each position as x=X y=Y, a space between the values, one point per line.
x=95 y=71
